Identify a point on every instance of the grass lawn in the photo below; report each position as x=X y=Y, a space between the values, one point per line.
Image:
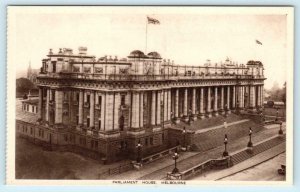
x=32 y=162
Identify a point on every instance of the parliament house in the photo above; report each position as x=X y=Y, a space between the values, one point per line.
x=103 y=107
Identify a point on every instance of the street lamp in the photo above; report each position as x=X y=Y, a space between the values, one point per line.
x=250 y=144
x=277 y=111
x=139 y=152
x=175 y=157
x=184 y=138
x=280 y=132
x=225 y=153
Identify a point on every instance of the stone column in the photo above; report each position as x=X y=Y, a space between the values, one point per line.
x=141 y=113
x=208 y=102
x=109 y=98
x=58 y=106
x=80 y=108
x=201 y=110
x=194 y=104
x=92 y=109
x=103 y=95
x=47 y=105
x=135 y=110
x=40 y=104
x=222 y=101
x=243 y=96
x=258 y=96
x=117 y=102
x=153 y=108
x=262 y=96
x=158 y=106
x=252 y=97
x=169 y=105
x=185 y=105
x=165 y=99
x=216 y=102
x=240 y=92
x=233 y=97
x=176 y=106
x=228 y=100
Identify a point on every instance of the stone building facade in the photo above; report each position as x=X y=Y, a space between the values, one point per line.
x=103 y=107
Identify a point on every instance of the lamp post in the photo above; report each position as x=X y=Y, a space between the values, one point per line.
x=225 y=153
x=250 y=144
x=184 y=138
x=139 y=152
x=280 y=132
x=175 y=157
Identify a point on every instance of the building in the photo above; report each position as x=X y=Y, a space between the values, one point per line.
x=30 y=105
x=103 y=107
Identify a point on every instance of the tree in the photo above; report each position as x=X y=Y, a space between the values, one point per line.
x=23 y=86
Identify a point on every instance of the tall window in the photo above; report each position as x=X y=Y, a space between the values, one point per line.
x=100 y=103
x=88 y=122
x=122 y=99
x=88 y=98
x=54 y=66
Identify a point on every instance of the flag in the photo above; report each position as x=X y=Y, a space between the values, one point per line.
x=258 y=42
x=153 y=21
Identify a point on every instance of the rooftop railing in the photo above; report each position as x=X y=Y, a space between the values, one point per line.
x=132 y=77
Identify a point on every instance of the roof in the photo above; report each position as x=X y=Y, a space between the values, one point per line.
x=154 y=55
x=23 y=115
x=137 y=54
x=34 y=101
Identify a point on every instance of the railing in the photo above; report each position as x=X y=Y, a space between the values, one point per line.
x=202 y=167
x=159 y=155
x=128 y=77
x=115 y=170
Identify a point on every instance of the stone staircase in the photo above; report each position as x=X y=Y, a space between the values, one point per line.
x=213 y=138
x=259 y=148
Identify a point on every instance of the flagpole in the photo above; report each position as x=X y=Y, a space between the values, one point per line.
x=146 y=35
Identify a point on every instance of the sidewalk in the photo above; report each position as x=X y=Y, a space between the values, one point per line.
x=255 y=160
x=157 y=170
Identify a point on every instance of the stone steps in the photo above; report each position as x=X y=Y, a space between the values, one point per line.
x=213 y=138
x=259 y=148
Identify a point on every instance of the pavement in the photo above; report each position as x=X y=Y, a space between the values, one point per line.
x=255 y=160
x=157 y=170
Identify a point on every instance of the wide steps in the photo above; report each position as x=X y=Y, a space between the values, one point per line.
x=243 y=155
x=213 y=138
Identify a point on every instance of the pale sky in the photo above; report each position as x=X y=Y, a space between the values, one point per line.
x=187 y=38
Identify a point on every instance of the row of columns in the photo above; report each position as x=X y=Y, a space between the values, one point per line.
x=161 y=109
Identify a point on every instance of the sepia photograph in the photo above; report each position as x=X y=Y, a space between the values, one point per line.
x=149 y=95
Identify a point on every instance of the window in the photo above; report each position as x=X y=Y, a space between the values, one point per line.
x=99 y=100
x=66 y=137
x=88 y=98
x=122 y=99
x=88 y=122
x=31 y=130
x=151 y=140
x=146 y=142
x=27 y=107
x=32 y=108
x=65 y=96
x=54 y=66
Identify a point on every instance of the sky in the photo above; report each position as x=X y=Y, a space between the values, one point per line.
x=187 y=37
